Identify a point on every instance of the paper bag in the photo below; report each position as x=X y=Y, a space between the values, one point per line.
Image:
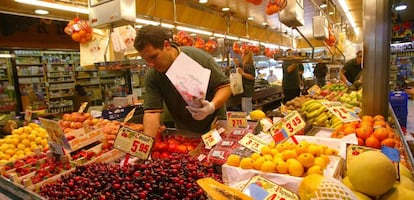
x=236 y=83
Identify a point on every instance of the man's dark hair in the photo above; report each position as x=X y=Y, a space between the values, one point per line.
x=150 y=34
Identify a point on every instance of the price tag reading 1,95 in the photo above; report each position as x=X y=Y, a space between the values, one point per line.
x=340 y=111
x=293 y=123
x=135 y=143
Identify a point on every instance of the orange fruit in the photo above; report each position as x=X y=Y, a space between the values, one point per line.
x=316 y=169
x=380 y=133
x=361 y=141
x=257 y=164
x=233 y=160
x=379 y=123
x=76 y=37
x=82 y=33
x=246 y=163
x=268 y=166
x=349 y=130
x=373 y=142
x=288 y=154
x=306 y=159
x=365 y=123
x=379 y=117
x=389 y=142
x=367 y=118
x=363 y=132
x=281 y=167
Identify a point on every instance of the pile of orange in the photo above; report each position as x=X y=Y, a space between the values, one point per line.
x=371 y=131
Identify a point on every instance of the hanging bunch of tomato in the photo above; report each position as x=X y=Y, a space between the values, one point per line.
x=331 y=39
x=268 y=52
x=255 y=49
x=199 y=43
x=274 y=6
x=236 y=48
x=79 y=30
x=255 y=2
x=211 y=46
x=182 y=38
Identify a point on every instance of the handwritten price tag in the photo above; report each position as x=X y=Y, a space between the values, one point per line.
x=55 y=135
x=135 y=143
x=267 y=190
x=252 y=142
x=315 y=89
x=82 y=107
x=292 y=123
x=28 y=114
x=236 y=119
x=211 y=138
x=340 y=111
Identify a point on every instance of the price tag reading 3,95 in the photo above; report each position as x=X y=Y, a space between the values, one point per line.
x=236 y=119
x=135 y=143
x=340 y=111
x=292 y=123
x=252 y=142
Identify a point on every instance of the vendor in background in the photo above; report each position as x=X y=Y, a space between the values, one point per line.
x=80 y=96
x=352 y=70
x=271 y=77
x=319 y=72
x=291 y=82
x=156 y=47
x=247 y=70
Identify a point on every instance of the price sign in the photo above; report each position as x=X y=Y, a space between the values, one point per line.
x=292 y=123
x=82 y=107
x=252 y=142
x=56 y=135
x=236 y=119
x=340 y=111
x=315 y=89
x=135 y=143
x=130 y=115
x=263 y=188
x=28 y=114
x=211 y=138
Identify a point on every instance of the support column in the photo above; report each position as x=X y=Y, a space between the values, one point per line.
x=376 y=56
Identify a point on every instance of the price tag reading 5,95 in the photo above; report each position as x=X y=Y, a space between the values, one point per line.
x=135 y=143
x=293 y=123
x=340 y=111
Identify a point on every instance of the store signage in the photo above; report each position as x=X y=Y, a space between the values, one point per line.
x=236 y=120
x=134 y=143
x=211 y=138
x=56 y=137
x=340 y=111
x=252 y=142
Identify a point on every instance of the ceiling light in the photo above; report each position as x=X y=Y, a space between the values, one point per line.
x=264 y=23
x=401 y=6
x=41 y=12
x=55 y=6
x=6 y=55
x=225 y=9
x=250 y=18
x=202 y=1
x=331 y=13
x=323 y=5
x=183 y=28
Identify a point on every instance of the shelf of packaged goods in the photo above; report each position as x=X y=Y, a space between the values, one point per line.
x=63 y=81
x=110 y=76
x=59 y=76
x=61 y=96
x=30 y=75
x=63 y=88
x=88 y=84
x=90 y=77
x=29 y=64
x=64 y=63
x=87 y=70
x=4 y=79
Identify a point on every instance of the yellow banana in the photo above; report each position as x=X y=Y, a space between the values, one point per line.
x=336 y=125
x=315 y=113
x=313 y=106
x=334 y=120
x=308 y=102
x=322 y=118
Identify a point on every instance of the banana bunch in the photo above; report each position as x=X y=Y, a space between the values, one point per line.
x=318 y=115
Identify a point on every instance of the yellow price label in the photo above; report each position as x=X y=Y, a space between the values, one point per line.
x=236 y=119
x=292 y=123
x=315 y=89
x=252 y=142
x=340 y=111
x=211 y=138
x=134 y=143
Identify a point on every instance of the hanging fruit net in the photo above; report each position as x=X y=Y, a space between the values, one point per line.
x=79 y=30
x=275 y=6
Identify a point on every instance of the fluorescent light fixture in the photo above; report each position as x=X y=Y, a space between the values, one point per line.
x=401 y=6
x=148 y=22
x=331 y=13
x=55 y=6
x=5 y=55
x=254 y=42
x=231 y=37
x=264 y=23
x=250 y=18
x=202 y=1
x=225 y=9
x=323 y=5
x=183 y=28
x=219 y=35
x=348 y=15
x=244 y=40
x=41 y=12
x=170 y=26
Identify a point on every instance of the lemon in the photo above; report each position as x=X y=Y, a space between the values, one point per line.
x=232 y=160
x=43 y=142
x=19 y=152
x=272 y=144
x=10 y=152
x=6 y=157
x=316 y=169
x=257 y=115
x=306 y=159
x=320 y=161
x=281 y=167
x=268 y=166
x=14 y=141
x=21 y=146
x=23 y=136
x=33 y=147
x=288 y=154
x=33 y=125
x=274 y=152
x=38 y=140
x=268 y=157
x=295 y=168
x=315 y=149
x=255 y=155
x=278 y=157
x=11 y=146
x=3 y=147
x=246 y=163
x=27 y=129
x=302 y=147
x=265 y=150
x=26 y=142
x=331 y=151
x=257 y=164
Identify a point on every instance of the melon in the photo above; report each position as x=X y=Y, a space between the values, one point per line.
x=372 y=173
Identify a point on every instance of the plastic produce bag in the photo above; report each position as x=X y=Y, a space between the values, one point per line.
x=236 y=83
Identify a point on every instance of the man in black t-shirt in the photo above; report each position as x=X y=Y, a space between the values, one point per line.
x=352 y=70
